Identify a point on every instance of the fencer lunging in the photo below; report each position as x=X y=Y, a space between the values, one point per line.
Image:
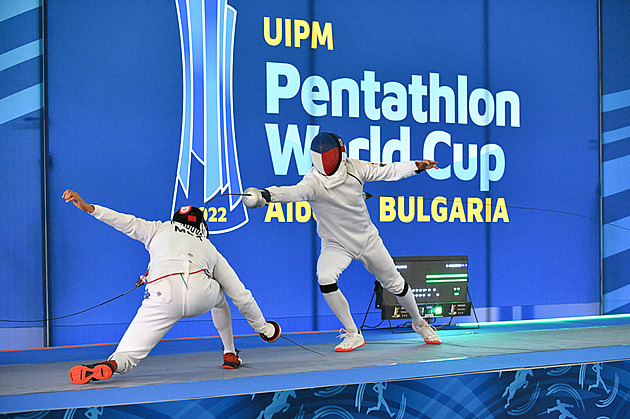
x=334 y=188
x=186 y=277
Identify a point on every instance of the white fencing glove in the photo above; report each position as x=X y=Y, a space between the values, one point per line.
x=255 y=198
x=272 y=332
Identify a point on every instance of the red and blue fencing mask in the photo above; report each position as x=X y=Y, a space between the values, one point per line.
x=327 y=153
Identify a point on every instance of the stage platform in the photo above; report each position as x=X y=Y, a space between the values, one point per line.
x=508 y=369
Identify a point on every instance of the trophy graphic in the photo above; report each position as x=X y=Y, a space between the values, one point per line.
x=208 y=163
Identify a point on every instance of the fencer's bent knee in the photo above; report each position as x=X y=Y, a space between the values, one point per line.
x=397 y=285
x=404 y=291
x=327 y=277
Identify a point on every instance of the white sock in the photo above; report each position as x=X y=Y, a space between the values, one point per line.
x=223 y=322
x=408 y=302
x=339 y=305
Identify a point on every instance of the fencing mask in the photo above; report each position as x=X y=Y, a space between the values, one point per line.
x=193 y=217
x=327 y=153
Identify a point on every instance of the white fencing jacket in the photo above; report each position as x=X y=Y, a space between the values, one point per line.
x=175 y=247
x=341 y=212
x=169 y=243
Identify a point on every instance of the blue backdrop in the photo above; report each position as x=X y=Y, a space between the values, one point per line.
x=615 y=156
x=21 y=226
x=504 y=97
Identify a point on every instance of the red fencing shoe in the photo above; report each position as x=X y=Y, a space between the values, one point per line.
x=231 y=361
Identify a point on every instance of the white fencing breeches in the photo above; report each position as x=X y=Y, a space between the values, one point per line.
x=169 y=300
x=334 y=259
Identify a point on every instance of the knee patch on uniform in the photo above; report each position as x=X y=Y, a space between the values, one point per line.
x=325 y=289
x=404 y=291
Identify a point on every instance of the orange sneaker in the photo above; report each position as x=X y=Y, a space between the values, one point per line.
x=83 y=374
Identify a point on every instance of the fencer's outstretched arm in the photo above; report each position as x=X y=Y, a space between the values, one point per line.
x=134 y=227
x=254 y=198
x=240 y=296
x=75 y=198
x=426 y=164
x=370 y=172
x=307 y=189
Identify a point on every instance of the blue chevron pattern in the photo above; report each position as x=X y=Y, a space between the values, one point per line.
x=15 y=51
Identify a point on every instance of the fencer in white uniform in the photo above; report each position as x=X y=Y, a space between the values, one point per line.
x=186 y=277
x=334 y=189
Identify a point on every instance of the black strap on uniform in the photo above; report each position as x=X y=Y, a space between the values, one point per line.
x=326 y=289
x=404 y=291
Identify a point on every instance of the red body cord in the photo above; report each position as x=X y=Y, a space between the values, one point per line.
x=166 y=276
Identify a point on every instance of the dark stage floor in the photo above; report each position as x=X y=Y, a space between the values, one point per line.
x=190 y=368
